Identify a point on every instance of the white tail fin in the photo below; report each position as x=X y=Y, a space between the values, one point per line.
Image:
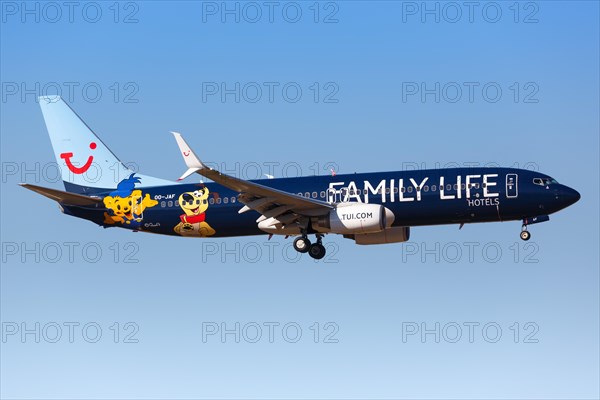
x=86 y=163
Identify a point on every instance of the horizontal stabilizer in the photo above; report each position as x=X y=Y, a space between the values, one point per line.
x=63 y=197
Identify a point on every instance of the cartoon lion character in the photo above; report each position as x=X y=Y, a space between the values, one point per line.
x=193 y=223
x=126 y=205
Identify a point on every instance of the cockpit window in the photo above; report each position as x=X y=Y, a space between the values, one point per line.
x=544 y=181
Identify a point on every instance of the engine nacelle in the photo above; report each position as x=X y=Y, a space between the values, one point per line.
x=396 y=234
x=352 y=218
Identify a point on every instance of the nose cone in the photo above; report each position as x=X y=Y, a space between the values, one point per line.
x=569 y=196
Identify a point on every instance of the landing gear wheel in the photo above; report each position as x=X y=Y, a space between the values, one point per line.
x=302 y=244
x=525 y=235
x=316 y=251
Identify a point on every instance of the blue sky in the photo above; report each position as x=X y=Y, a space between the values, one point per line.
x=369 y=86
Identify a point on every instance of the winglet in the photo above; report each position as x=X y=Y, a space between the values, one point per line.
x=191 y=159
x=188 y=173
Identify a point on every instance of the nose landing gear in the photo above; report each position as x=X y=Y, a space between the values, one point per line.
x=525 y=235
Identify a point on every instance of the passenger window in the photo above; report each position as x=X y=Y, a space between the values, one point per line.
x=456 y=186
x=395 y=190
x=307 y=194
x=433 y=188
x=322 y=194
x=163 y=203
x=403 y=189
x=211 y=201
x=314 y=195
x=426 y=188
x=225 y=200
x=448 y=187
x=409 y=189
x=170 y=204
x=233 y=199
x=176 y=203
x=218 y=200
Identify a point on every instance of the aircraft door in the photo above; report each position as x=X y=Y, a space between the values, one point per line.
x=512 y=185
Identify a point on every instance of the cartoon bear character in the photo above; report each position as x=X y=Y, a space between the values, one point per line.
x=126 y=205
x=193 y=223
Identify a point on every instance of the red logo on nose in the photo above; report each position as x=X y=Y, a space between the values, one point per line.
x=78 y=170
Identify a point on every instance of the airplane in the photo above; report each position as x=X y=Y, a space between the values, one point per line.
x=369 y=208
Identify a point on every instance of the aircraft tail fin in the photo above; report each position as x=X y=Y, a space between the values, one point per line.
x=87 y=165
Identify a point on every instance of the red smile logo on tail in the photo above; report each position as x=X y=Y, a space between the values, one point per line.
x=78 y=170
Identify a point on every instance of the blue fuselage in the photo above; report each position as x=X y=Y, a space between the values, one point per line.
x=421 y=197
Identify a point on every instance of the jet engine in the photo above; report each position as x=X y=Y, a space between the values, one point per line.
x=354 y=218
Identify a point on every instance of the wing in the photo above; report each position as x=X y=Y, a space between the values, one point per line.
x=279 y=209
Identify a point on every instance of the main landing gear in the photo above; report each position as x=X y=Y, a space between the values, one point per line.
x=302 y=244
x=315 y=250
